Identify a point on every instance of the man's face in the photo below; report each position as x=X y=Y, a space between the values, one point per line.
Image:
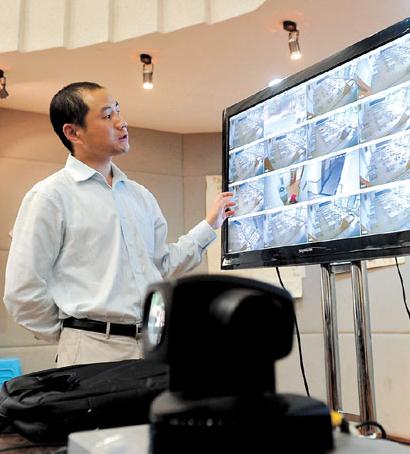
x=105 y=133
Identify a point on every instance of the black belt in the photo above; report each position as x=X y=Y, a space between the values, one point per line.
x=103 y=327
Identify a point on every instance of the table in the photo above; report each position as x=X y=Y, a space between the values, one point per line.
x=134 y=440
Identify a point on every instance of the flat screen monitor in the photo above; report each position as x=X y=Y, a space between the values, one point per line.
x=320 y=164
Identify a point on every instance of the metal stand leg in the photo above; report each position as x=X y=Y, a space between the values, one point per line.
x=364 y=355
x=331 y=342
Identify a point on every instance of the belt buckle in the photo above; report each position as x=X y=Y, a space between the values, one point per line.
x=138 y=330
x=107 y=330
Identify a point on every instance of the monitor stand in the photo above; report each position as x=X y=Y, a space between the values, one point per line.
x=364 y=355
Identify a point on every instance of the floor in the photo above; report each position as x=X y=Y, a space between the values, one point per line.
x=12 y=440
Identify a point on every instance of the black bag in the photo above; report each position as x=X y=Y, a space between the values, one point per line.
x=50 y=404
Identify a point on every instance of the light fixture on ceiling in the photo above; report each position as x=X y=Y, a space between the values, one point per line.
x=3 y=91
x=293 y=39
x=147 y=71
x=274 y=82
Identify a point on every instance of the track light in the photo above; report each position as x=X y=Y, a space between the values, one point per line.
x=293 y=39
x=147 y=71
x=3 y=91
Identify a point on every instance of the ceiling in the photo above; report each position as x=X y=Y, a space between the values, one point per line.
x=201 y=69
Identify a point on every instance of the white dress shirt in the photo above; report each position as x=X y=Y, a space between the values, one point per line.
x=84 y=249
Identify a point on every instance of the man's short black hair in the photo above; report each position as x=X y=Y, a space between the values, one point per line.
x=68 y=106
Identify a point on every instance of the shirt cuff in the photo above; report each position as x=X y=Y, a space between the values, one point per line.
x=203 y=233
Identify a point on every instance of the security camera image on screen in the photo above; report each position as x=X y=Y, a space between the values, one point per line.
x=333 y=90
x=286 y=227
x=385 y=162
x=385 y=68
x=246 y=234
x=326 y=159
x=248 y=197
x=285 y=188
x=286 y=149
x=334 y=219
x=337 y=175
x=385 y=115
x=285 y=111
x=386 y=210
x=246 y=128
x=247 y=163
x=333 y=133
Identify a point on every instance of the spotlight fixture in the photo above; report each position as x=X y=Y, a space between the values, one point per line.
x=293 y=39
x=3 y=91
x=274 y=82
x=147 y=71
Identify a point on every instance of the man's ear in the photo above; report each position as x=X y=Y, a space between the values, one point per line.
x=71 y=133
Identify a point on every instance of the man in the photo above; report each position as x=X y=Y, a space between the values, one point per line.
x=87 y=241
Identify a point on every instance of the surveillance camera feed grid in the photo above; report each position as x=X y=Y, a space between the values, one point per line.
x=360 y=140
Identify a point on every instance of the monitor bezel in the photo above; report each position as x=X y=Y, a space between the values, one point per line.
x=332 y=251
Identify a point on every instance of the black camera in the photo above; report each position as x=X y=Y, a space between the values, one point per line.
x=220 y=336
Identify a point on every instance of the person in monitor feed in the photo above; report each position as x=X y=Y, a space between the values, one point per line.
x=285 y=188
x=88 y=241
x=385 y=162
x=386 y=210
x=334 y=219
x=385 y=115
x=333 y=133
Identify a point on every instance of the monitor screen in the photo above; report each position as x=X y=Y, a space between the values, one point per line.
x=320 y=165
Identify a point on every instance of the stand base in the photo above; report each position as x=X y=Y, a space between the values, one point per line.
x=238 y=425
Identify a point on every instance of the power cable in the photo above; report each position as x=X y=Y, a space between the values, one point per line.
x=402 y=287
x=302 y=367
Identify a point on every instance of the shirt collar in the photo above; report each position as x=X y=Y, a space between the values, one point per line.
x=78 y=170
x=117 y=174
x=81 y=172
